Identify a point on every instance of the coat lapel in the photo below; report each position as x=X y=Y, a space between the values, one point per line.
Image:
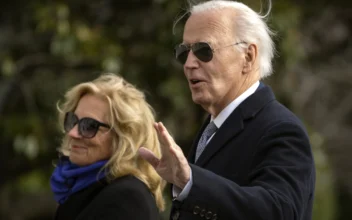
x=229 y=129
x=233 y=125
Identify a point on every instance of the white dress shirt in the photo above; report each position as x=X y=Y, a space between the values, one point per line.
x=179 y=194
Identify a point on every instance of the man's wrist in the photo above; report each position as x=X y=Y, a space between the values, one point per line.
x=185 y=179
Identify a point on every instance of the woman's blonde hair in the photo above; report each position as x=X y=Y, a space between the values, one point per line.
x=131 y=119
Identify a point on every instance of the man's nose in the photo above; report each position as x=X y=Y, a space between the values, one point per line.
x=191 y=61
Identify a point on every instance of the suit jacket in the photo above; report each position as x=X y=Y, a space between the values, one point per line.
x=257 y=166
x=125 y=198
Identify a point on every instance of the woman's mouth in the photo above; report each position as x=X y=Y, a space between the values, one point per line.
x=77 y=147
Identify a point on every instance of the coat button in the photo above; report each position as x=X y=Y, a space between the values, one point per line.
x=202 y=213
x=215 y=217
x=176 y=215
x=209 y=215
x=196 y=210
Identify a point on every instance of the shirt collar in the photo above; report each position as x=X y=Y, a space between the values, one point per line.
x=225 y=113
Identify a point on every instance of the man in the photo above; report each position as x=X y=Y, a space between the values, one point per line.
x=252 y=158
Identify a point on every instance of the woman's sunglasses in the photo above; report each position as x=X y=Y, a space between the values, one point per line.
x=201 y=50
x=87 y=127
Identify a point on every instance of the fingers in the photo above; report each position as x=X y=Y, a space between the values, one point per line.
x=149 y=156
x=166 y=141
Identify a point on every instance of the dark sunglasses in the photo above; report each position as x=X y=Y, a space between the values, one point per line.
x=201 y=50
x=87 y=127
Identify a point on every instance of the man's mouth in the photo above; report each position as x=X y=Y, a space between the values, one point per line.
x=194 y=81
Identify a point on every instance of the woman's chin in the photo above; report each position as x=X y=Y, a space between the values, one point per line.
x=79 y=160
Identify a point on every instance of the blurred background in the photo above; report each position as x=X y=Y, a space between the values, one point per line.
x=48 y=46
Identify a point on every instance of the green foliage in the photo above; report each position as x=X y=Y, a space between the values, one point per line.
x=47 y=47
x=325 y=193
x=33 y=182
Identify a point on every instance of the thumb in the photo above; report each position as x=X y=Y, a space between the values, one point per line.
x=149 y=156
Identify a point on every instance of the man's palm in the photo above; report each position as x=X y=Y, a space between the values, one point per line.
x=172 y=166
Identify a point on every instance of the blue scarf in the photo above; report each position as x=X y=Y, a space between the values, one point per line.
x=69 y=178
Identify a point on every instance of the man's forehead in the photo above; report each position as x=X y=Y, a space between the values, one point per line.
x=199 y=34
x=207 y=27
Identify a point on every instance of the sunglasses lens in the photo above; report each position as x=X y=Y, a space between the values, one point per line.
x=88 y=127
x=70 y=121
x=181 y=53
x=203 y=51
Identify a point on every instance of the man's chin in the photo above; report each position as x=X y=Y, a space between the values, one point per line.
x=200 y=100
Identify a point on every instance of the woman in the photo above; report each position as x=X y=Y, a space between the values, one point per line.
x=100 y=175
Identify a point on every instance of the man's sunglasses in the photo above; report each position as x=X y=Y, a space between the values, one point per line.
x=87 y=127
x=201 y=50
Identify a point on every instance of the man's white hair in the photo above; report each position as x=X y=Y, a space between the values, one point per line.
x=250 y=27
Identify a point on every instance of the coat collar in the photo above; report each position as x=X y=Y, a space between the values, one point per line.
x=233 y=125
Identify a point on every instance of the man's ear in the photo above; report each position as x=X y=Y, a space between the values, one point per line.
x=250 y=58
